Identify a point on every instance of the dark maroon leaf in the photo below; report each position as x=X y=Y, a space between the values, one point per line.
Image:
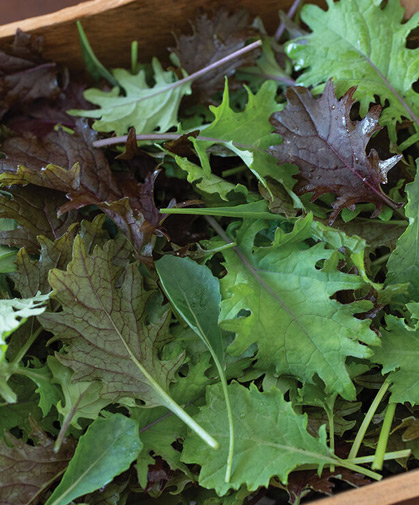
x=35 y=211
x=40 y=117
x=24 y=75
x=70 y=164
x=27 y=471
x=301 y=483
x=213 y=39
x=330 y=149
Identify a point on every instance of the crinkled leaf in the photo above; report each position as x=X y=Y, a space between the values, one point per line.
x=24 y=75
x=213 y=39
x=27 y=471
x=359 y=43
x=35 y=212
x=284 y=305
x=63 y=162
x=31 y=275
x=403 y=264
x=85 y=177
x=329 y=148
x=143 y=107
x=247 y=133
x=398 y=355
x=105 y=323
x=265 y=447
x=107 y=449
x=158 y=430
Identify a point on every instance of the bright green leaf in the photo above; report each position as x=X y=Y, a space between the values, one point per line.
x=398 y=354
x=272 y=443
x=142 y=107
x=107 y=449
x=283 y=302
x=403 y=264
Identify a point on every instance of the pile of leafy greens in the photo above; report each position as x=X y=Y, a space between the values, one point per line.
x=209 y=271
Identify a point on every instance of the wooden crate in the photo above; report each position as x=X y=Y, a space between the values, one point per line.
x=111 y=26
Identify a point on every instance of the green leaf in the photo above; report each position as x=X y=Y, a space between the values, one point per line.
x=111 y=336
x=254 y=210
x=282 y=301
x=399 y=356
x=81 y=399
x=106 y=450
x=247 y=133
x=403 y=264
x=142 y=107
x=209 y=184
x=350 y=45
x=93 y=65
x=195 y=293
x=270 y=444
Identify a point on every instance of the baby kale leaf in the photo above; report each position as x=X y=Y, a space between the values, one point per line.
x=107 y=328
x=284 y=304
x=358 y=43
x=329 y=148
x=264 y=446
x=35 y=212
x=143 y=107
x=398 y=355
x=403 y=264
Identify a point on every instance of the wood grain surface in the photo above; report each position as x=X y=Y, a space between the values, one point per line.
x=111 y=26
x=399 y=490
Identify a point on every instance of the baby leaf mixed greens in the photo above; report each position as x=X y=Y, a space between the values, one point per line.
x=209 y=279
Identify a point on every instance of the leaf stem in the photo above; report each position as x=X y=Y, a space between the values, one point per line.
x=292 y=10
x=377 y=464
x=25 y=347
x=367 y=420
x=387 y=456
x=161 y=137
x=331 y=421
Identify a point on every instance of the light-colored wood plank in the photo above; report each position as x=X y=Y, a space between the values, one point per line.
x=390 y=491
x=112 y=25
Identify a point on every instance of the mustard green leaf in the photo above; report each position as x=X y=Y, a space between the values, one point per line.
x=109 y=333
x=272 y=443
x=403 y=264
x=283 y=302
x=399 y=356
x=359 y=43
x=143 y=107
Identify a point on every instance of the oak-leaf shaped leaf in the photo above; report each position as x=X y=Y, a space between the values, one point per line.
x=330 y=149
x=28 y=471
x=106 y=327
